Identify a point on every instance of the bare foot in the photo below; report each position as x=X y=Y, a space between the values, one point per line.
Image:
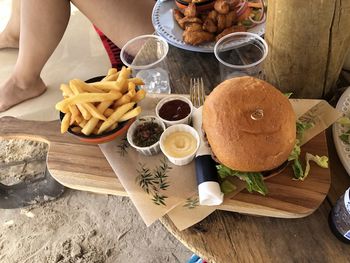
x=8 y=41
x=13 y=92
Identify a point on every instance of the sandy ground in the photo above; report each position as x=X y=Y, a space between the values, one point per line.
x=77 y=227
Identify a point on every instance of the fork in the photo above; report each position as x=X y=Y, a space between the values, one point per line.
x=197 y=94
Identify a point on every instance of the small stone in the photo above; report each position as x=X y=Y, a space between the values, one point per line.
x=109 y=252
x=58 y=258
x=92 y=233
x=9 y=223
x=75 y=250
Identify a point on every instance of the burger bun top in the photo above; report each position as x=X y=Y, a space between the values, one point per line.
x=249 y=124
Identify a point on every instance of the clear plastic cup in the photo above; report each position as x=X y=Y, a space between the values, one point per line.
x=240 y=54
x=147 y=64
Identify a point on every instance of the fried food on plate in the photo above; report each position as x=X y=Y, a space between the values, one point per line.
x=178 y=16
x=230 y=18
x=230 y=30
x=195 y=37
x=94 y=108
x=210 y=26
x=194 y=27
x=233 y=3
x=189 y=20
x=190 y=10
x=221 y=22
x=226 y=16
x=213 y=15
x=222 y=7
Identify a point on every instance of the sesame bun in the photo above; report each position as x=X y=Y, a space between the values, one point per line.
x=250 y=125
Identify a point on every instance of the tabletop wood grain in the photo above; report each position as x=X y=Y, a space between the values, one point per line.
x=223 y=236
x=231 y=237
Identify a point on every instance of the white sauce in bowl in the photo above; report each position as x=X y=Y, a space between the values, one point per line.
x=180 y=144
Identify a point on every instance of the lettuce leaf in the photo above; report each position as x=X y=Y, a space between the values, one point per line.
x=344 y=121
x=294 y=156
x=321 y=161
x=254 y=180
x=288 y=94
x=345 y=137
x=302 y=127
x=227 y=187
x=299 y=173
x=295 y=153
x=224 y=171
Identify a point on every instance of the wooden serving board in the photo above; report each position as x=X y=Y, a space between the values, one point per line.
x=73 y=163
x=288 y=198
x=82 y=166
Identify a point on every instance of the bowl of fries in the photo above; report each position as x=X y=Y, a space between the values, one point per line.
x=102 y=108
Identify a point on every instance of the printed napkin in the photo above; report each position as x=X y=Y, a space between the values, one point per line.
x=157 y=187
x=154 y=184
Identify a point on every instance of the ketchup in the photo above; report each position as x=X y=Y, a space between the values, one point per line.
x=174 y=110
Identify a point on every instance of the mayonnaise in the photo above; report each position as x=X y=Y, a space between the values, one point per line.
x=180 y=144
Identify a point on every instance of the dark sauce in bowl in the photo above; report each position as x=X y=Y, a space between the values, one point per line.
x=174 y=110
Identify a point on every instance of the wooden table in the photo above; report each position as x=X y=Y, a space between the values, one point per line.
x=232 y=237
x=223 y=236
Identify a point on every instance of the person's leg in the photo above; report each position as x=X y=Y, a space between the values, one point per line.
x=42 y=26
x=9 y=38
x=119 y=20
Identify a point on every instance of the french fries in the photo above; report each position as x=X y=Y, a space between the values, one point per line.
x=95 y=108
x=85 y=97
x=119 y=112
x=130 y=114
x=139 y=95
x=124 y=99
x=65 y=122
x=111 y=75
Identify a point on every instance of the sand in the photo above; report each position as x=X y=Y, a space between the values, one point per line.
x=21 y=160
x=78 y=226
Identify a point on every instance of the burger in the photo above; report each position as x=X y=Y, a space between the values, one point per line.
x=251 y=129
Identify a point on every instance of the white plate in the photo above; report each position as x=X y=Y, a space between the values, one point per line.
x=166 y=26
x=342 y=148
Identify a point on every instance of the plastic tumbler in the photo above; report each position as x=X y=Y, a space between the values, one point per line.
x=240 y=54
x=144 y=55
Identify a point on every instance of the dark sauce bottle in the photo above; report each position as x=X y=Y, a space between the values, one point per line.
x=339 y=218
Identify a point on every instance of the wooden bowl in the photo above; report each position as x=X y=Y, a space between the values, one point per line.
x=202 y=6
x=106 y=136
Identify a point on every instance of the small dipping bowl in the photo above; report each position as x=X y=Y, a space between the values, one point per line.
x=148 y=150
x=173 y=110
x=175 y=129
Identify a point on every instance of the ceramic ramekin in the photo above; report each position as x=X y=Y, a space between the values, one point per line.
x=186 y=120
x=176 y=128
x=149 y=150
